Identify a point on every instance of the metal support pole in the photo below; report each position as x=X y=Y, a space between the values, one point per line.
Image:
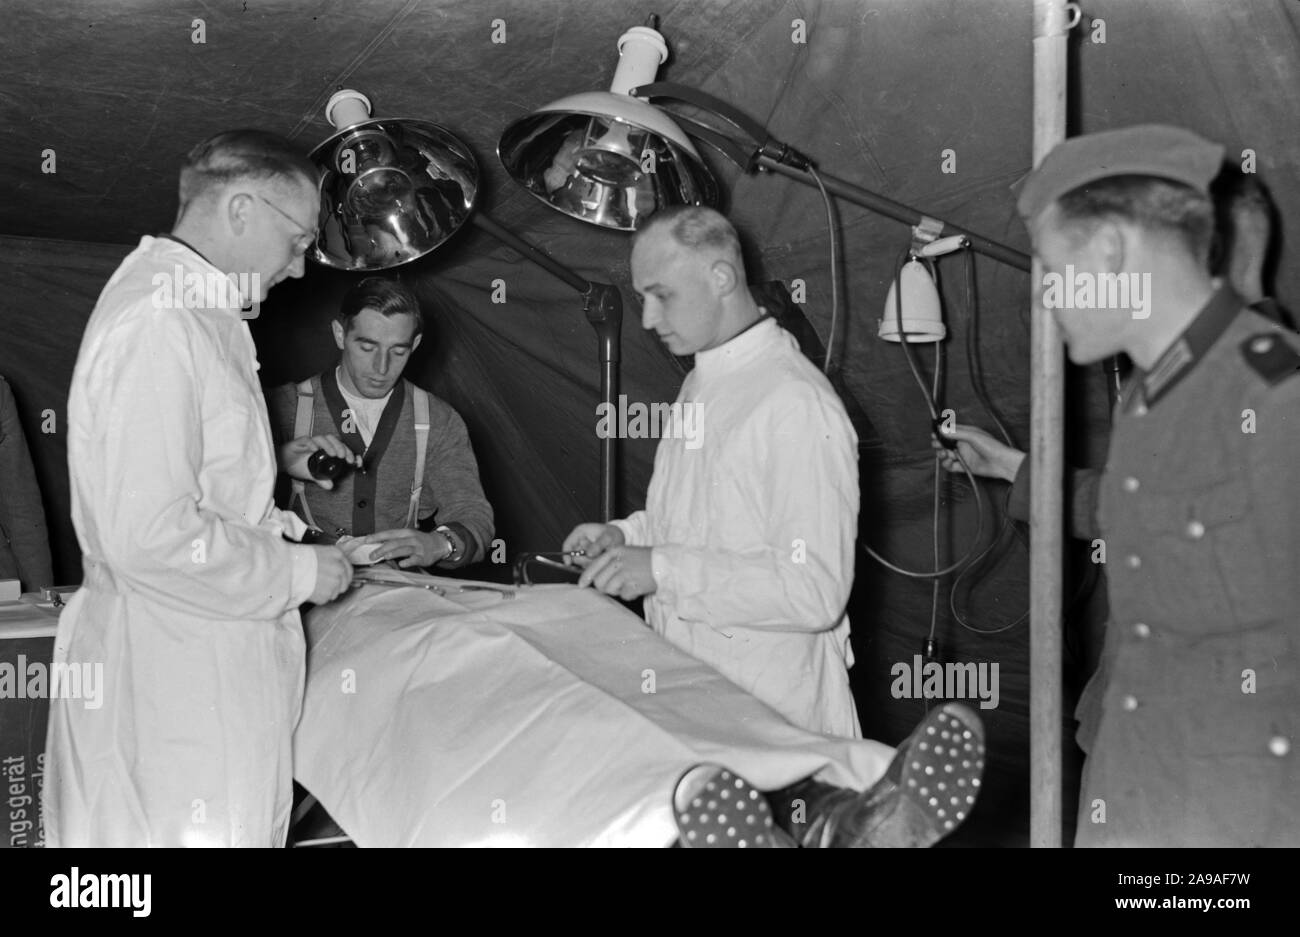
x=603 y=306
x=1047 y=465
x=604 y=310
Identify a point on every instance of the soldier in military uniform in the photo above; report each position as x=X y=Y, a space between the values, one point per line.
x=1192 y=721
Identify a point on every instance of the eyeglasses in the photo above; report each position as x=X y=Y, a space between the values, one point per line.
x=307 y=237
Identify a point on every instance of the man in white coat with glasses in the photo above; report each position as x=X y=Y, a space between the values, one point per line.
x=192 y=584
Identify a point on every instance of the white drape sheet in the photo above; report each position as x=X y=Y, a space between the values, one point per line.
x=471 y=720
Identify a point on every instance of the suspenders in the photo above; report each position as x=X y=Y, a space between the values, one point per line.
x=421 y=443
x=302 y=427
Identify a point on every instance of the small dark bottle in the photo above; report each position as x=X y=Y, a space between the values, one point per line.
x=324 y=466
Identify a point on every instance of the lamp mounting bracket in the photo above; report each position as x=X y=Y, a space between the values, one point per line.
x=924 y=231
x=763 y=143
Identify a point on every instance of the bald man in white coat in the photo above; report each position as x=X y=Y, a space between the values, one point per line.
x=745 y=548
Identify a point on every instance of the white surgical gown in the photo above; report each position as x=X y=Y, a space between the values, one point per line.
x=753 y=523
x=190 y=595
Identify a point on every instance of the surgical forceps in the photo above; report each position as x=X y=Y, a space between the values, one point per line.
x=551 y=560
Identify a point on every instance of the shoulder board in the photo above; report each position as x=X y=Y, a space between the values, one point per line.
x=1271 y=356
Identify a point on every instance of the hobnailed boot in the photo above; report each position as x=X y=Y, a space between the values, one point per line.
x=929 y=788
x=716 y=808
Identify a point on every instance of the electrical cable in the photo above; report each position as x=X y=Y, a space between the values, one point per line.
x=934 y=414
x=835 y=267
x=981 y=393
x=971 y=559
x=972 y=350
x=1087 y=582
x=934 y=583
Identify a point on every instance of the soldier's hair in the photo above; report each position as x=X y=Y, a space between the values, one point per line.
x=1241 y=190
x=387 y=296
x=1239 y=199
x=1150 y=202
x=696 y=227
x=236 y=155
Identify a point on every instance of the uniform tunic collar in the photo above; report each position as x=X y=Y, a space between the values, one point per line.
x=1176 y=362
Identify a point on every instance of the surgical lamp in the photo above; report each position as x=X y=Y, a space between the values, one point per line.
x=588 y=155
x=392 y=190
x=606 y=157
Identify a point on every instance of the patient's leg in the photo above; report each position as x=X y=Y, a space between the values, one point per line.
x=927 y=792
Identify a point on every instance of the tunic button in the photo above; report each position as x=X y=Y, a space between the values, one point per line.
x=1130 y=703
x=1134 y=561
x=1279 y=745
x=1196 y=530
x=1131 y=484
x=1140 y=410
x=1142 y=630
x=361 y=503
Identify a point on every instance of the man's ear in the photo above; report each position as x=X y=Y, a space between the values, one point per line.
x=722 y=273
x=1110 y=242
x=416 y=343
x=239 y=212
x=337 y=327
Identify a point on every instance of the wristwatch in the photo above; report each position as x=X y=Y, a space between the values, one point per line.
x=457 y=544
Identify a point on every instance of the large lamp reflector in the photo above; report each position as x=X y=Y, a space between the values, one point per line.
x=391 y=189
x=605 y=157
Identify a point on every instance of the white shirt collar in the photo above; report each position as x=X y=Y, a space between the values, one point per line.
x=739 y=350
x=217 y=289
x=372 y=403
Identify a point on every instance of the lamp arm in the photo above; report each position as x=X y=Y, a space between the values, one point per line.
x=728 y=147
x=1003 y=253
x=484 y=223
x=765 y=145
x=774 y=156
x=737 y=118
